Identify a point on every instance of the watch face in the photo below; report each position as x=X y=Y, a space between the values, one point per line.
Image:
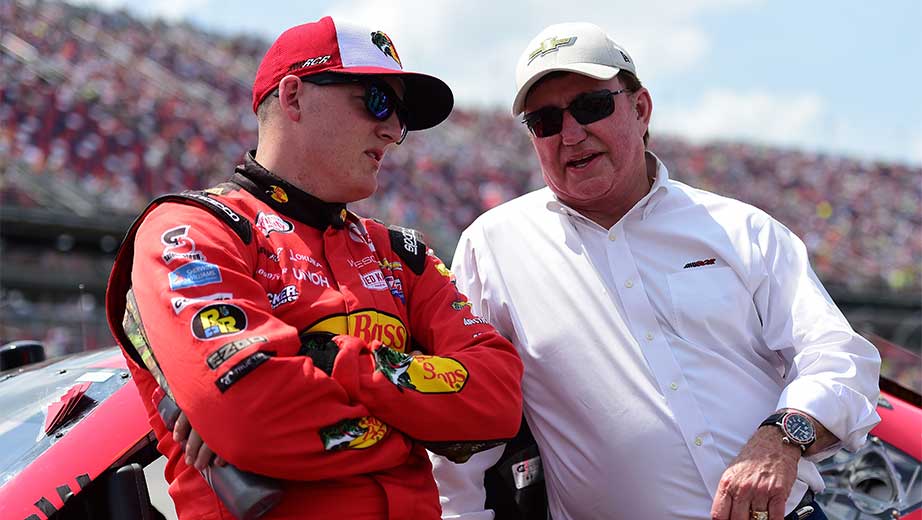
x=798 y=428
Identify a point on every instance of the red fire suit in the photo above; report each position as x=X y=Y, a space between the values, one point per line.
x=228 y=293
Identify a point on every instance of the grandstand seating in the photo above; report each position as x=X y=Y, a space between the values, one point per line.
x=116 y=110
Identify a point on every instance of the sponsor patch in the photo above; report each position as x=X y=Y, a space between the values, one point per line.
x=440 y=267
x=288 y=294
x=394 y=284
x=393 y=266
x=310 y=62
x=315 y=278
x=374 y=280
x=410 y=243
x=217 y=320
x=425 y=374
x=231 y=214
x=278 y=194
x=362 y=262
x=177 y=244
x=460 y=305
x=384 y=42
x=475 y=321
x=194 y=274
x=527 y=472
x=270 y=222
x=354 y=434
x=227 y=350
x=179 y=303
x=396 y=287
x=367 y=325
x=300 y=257
x=267 y=275
x=241 y=369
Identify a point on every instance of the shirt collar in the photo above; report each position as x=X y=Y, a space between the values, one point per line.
x=646 y=204
x=285 y=198
x=657 y=190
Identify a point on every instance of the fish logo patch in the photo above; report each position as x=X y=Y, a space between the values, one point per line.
x=384 y=42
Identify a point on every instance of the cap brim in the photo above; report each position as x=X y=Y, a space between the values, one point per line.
x=428 y=99
x=593 y=70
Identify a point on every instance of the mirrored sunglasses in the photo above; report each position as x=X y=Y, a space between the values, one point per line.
x=585 y=108
x=380 y=99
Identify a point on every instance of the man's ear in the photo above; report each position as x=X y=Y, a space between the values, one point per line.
x=643 y=106
x=290 y=88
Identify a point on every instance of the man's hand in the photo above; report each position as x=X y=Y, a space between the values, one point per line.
x=198 y=454
x=760 y=478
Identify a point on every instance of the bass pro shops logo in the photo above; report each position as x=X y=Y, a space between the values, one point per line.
x=425 y=374
x=368 y=326
x=355 y=434
x=217 y=320
x=384 y=42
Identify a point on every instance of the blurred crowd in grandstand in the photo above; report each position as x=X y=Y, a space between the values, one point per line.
x=121 y=109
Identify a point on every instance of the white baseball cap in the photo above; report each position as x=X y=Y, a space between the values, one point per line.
x=583 y=48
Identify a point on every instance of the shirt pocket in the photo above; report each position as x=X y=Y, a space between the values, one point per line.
x=711 y=306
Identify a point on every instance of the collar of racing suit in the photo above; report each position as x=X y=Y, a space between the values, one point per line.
x=285 y=198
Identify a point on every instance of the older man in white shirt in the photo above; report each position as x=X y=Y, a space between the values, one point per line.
x=681 y=358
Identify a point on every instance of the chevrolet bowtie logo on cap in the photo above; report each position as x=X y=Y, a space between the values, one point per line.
x=550 y=45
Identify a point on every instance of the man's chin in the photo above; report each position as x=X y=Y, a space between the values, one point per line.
x=590 y=194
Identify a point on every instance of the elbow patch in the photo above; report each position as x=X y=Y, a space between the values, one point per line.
x=409 y=246
x=353 y=434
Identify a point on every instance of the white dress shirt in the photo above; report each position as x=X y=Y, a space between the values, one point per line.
x=654 y=349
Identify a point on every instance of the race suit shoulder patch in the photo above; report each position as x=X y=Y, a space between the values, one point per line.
x=237 y=222
x=409 y=246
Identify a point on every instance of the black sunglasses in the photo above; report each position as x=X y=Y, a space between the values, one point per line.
x=585 y=108
x=380 y=99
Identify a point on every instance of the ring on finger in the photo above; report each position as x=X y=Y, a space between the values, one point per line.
x=759 y=515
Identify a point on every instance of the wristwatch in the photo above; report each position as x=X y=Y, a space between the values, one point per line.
x=796 y=427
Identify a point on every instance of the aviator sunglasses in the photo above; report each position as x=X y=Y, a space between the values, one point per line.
x=585 y=108
x=380 y=99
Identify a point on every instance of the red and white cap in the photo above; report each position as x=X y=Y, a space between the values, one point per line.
x=325 y=46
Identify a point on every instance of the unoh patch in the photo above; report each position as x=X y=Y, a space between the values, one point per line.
x=217 y=320
x=194 y=274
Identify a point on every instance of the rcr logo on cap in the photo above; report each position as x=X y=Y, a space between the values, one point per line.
x=550 y=45
x=319 y=60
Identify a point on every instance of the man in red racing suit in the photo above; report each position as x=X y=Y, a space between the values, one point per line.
x=286 y=328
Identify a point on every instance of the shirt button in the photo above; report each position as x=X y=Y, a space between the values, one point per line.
x=612 y=237
x=649 y=336
x=698 y=441
x=674 y=386
x=629 y=284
